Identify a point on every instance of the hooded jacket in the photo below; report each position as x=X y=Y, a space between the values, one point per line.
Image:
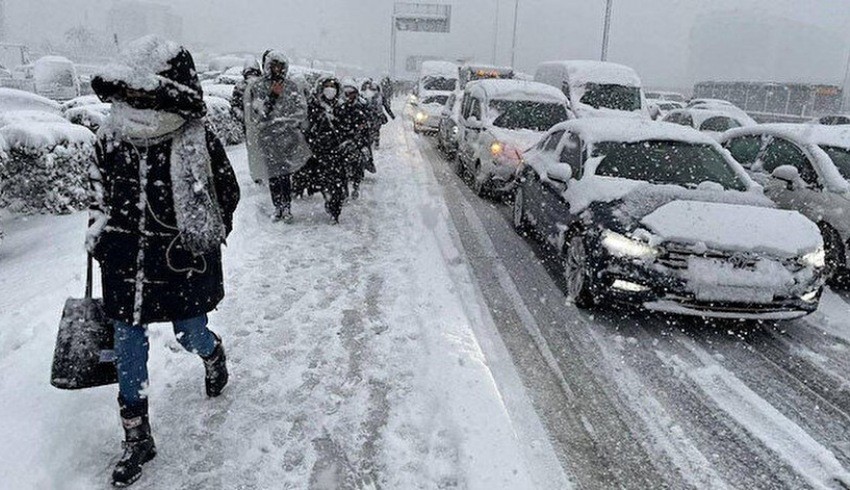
x=323 y=129
x=277 y=121
x=150 y=196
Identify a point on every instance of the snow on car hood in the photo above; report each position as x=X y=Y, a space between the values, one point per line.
x=521 y=139
x=734 y=227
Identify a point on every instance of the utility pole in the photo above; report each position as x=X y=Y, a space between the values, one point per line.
x=606 y=33
x=513 y=44
x=496 y=33
x=393 y=39
x=845 y=89
x=2 y=20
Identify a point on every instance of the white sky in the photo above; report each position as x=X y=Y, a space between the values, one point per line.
x=651 y=35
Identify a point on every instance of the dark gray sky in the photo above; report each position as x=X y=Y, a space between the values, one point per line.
x=651 y=35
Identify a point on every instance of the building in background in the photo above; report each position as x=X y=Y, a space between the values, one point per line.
x=133 y=19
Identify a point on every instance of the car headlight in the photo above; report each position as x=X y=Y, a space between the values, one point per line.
x=497 y=148
x=455 y=130
x=623 y=246
x=815 y=259
x=421 y=117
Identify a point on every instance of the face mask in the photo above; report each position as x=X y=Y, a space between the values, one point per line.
x=369 y=94
x=329 y=93
x=143 y=123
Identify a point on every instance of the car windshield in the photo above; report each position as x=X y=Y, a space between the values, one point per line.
x=841 y=158
x=526 y=114
x=617 y=97
x=436 y=99
x=666 y=162
x=439 y=83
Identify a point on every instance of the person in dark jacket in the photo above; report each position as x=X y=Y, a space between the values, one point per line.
x=164 y=195
x=325 y=138
x=388 y=89
x=354 y=124
x=237 y=99
x=277 y=110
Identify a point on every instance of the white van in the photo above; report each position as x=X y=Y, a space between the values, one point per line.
x=596 y=88
x=437 y=78
x=56 y=78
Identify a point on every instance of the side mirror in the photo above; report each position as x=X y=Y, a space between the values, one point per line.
x=559 y=172
x=790 y=175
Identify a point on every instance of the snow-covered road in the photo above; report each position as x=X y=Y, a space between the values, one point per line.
x=360 y=355
x=636 y=400
x=422 y=344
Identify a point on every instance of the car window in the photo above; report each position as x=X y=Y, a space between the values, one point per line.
x=475 y=109
x=745 y=149
x=526 y=114
x=612 y=96
x=672 y=118
x=841 y=158
x=467 y=102
x=666 y=162
x=719 y=124
x=565 y=88
x=551 y=144
x=783 y=152
x=571 y=154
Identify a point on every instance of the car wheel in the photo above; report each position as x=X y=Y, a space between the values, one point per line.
x=836 y=264
x=520 y=219
x=579 y=273
x=477 y=183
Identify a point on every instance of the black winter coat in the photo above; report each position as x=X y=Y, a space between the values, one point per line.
x=148 y=276
x=323 y=133
x=354 y=122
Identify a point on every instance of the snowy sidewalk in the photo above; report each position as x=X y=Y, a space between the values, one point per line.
x=353 y=360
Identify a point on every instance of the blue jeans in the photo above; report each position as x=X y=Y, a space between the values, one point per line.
x=131 y=353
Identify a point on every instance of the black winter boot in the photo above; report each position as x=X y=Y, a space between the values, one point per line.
x=216 y=367
x=138 y=444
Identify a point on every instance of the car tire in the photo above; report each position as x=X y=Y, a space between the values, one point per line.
x=836 y=258
x=578 y=273
x=520 y=218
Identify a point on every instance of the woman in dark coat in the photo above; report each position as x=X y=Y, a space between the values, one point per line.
x=163 y=204
x=354 y=125
x=325 y=137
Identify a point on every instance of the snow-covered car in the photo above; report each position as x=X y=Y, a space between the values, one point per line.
x=665 y=96
x=659 y=108
x=224 y=125
x=56 y=78
x=474 y=72
x=500 y=119
x=19 y=100
x=806 y=168
x=428 y=113
x=218 y=90
x=658 y=215
x=231 y=76
x=435 y=78
x=80 y=101
x=833 y=120
x=447 y=134
x=714 y=123
x=91 y=116
x=596 y=88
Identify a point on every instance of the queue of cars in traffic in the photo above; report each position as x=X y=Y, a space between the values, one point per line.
x=696 y=211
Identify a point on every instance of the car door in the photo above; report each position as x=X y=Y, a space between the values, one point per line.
x=533 y=186
x=779 y=152
x=446 y=119
x=555 y=209
x=471 y=135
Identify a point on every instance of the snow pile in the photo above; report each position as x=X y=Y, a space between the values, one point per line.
x=582 y=72
x=516 y=90
x=89 y=116
x=732 y=227
x=80 y=102
x=46 y=167
x=224 y=125
x=29 y=116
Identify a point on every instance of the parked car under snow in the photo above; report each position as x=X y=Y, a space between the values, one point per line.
x=658 y=215
x=806 y=168
x=712 y=122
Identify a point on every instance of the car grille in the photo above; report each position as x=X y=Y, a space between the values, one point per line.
x=677 y=256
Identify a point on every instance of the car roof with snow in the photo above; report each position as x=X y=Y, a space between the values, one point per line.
x=12 y=99
x=803 y=134
x=701 y=115
x=517 y=90
x=598 y=130
x=589 y=71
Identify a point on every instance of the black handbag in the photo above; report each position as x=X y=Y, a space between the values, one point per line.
x=84 y=353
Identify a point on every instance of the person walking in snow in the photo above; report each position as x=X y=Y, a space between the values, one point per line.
x=278 y=113
x=163 y=198
x=325 y=138
x=354 y=126
x=237 y=99
x=387 y=89
x=379 y=109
